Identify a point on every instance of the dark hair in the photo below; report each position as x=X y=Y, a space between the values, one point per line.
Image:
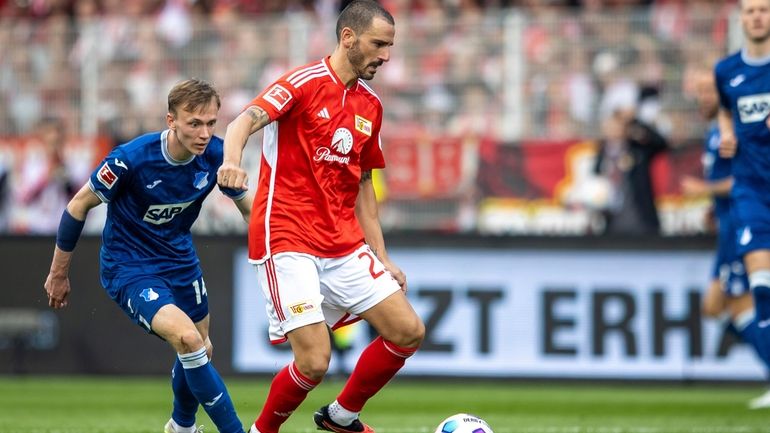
x=358 y=16
x=191 y=94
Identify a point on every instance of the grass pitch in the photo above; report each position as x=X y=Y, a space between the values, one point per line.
x=143 y=405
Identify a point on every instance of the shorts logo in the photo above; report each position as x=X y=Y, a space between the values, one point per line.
x=745 y=236
x=106 y=176
x=149 y=295
x=363 y=125
x=301 y=308
x=162 y=213
x=278 y=97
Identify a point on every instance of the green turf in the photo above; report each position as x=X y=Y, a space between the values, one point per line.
x=142 y=405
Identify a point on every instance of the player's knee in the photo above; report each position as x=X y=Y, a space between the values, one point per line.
x=411 y=334
x=190 y=341
x=313 y=366
x=209 y=348
x=710 y=309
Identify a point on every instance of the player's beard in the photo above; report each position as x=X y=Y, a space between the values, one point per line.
x=760 y=39
x=757 y=38
x=358 y=61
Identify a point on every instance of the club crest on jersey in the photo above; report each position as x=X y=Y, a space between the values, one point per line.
x=162 y=213
x=363 y=125
x=201 y=179
x=301 y=308
x=277 y=96
x=106 y=176
x=754 y=108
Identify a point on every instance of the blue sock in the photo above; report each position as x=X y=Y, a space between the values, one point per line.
x=185 y=403
x=210 y=391
x=758 y=337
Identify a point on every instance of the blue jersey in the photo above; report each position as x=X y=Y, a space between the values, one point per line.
x=744 y=89
x=153 y=201
x=728 y=267
x=715 y=169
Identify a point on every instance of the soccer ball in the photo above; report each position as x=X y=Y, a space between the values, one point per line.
x=463 y=423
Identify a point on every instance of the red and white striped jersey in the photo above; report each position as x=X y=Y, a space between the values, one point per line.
x=322 y=136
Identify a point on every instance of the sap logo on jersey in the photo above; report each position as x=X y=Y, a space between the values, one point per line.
x=754 y=108
x=163 y=213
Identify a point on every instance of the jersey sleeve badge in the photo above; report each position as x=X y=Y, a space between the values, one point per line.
x=278 y=96
x=106 y=176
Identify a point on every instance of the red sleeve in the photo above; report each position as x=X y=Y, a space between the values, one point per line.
x=277 y=99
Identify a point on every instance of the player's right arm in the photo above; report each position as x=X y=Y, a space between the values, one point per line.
x=57 y=284
x=251 y=120
x=717 y=188
x=728 y=144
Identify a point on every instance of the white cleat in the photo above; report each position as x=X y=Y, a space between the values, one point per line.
x=170 y=428
x=761 y=402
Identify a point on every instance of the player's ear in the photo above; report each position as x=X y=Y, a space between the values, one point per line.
x=347 y=37
x=170 y=121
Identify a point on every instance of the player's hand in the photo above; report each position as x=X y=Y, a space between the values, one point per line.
x=57 y=288
x=232 y=176
x=397 y=274
x=728 y=145
x=693 y=186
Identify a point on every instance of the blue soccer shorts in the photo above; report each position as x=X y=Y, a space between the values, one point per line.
x=141 y=297
x=728 y=265
x=751 y=216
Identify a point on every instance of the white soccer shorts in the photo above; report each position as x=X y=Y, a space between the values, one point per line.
x=301 y=289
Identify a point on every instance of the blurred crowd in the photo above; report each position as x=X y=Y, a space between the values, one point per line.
x=478 y=73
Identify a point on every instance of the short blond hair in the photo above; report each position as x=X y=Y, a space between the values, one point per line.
x=192 y=94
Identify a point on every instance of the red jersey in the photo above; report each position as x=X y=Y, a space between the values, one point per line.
x=322 y=136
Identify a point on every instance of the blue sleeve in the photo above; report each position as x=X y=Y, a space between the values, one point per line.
x=719 y=78
x=109 y=175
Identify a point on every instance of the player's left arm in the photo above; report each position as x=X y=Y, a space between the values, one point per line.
x=244 y=205
x=368 y=217
x=728 y=144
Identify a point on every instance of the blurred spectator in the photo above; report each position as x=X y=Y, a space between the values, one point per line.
x=5 y=189
x=547 y=70
x=47 y=182
x=625 y=157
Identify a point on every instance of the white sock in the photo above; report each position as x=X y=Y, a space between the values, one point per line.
x=340 y=415
x=744 y=319
x=253 y=429
x=179 y=429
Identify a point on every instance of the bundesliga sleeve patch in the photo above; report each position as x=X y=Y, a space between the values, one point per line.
x=278 y=97
x=106 y=176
